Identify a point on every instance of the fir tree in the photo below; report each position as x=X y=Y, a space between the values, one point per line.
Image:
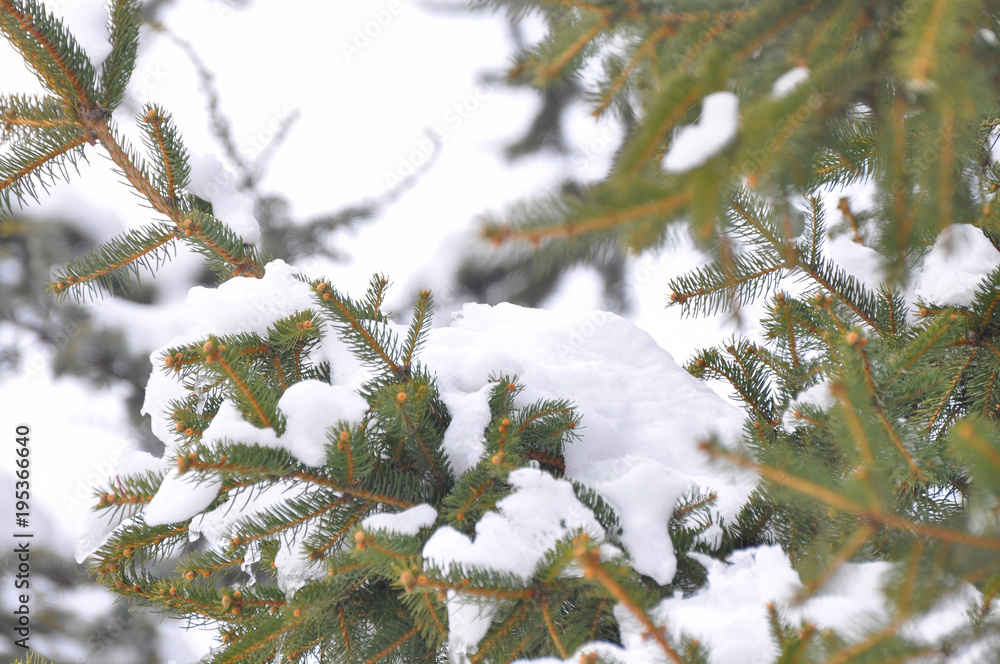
x=381 y=599
x=899 y=96
x=903 y=467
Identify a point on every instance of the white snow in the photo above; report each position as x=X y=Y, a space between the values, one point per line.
x=246 y=304
x=228 y=425
x=638 y=444
x=470 y=415
x=644 y=514
x=180 y=498
x=295 y=569
x=959 y=260
x=695 y=144
x=789 y=81
x=514 y=538
x=541 y=511
x=407 y=522
x=240 y=305
x=311 y=407
x=729 y=615
x=858 y=261
x=211 y=181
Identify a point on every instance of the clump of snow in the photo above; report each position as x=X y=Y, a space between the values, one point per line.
x=635 y=402
x=407 y=522
x=960 y=259
x=240 y=305
x=858 y=261
x=295 y=568
x=729 y=615
x=211 y=181
x=470 y=415
x=644 y=514
x=852 y=602
x=245 y=304
x=311 y=407
x=695 y=144
x=790 y=80
x=229 y=425
x=181 y=497
x=541 y=511
x=216 y=526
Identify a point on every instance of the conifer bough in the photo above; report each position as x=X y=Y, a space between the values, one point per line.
x=899 y=462
x=48 y=134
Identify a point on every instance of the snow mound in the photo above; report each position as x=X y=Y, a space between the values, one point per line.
x=638 y=444
x=959 y=260
x=730 y=614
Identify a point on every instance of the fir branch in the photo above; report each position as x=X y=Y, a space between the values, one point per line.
x=112 y=264
x=920 y=65
x=662 y=116
x=164 y=144
x=571 y=52
x=839 y=502
x=553 y=632
x=50 y=50
x=20 y=113
x=355 y=490
x=594 y=223
x=366 y=336
x=125 y=17
x=358 y=511
x=419 y=326
x=215 y=354
x=645 y=48
x=398 y=643
x=208 y=235
x=589 y=559
x=847 y=289
x=49 y=152
x=946 y=396
x=225 y=250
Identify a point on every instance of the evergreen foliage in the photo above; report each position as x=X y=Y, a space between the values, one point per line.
x=901 y=96
x=903 y=467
